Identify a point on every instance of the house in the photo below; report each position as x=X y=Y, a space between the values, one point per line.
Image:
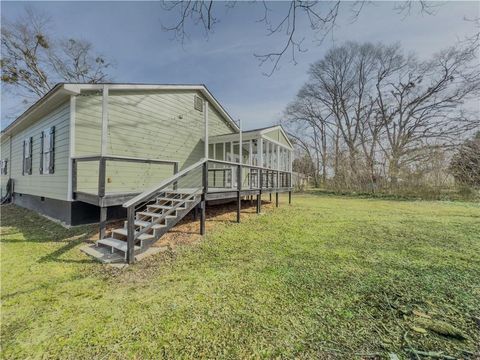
x=86 y=153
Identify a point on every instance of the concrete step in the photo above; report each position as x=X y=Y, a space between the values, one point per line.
x=115 y=244
x=124 y=233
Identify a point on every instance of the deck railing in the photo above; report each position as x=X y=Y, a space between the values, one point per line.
x=221 y=176
x=101 y=185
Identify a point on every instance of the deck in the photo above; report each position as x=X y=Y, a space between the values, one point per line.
x=118 y=198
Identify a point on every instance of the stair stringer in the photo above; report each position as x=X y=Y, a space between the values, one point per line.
x=171 y=222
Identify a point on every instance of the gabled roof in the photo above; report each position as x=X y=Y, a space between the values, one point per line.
x=252 y=134
x=60 y=92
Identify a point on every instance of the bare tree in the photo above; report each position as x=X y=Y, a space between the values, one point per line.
x=421 y=103
x=386 y=114
x=342 y=83
x=33 y=60
x=321 y=16
x=309 y=125
x=465 y=164
x=75 y=61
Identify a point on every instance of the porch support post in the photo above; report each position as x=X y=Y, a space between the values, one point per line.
x=103 y=223
x=205 y=116
x=204 y=193
x=102 y=162
x=202 y=215
x=104 y=139
x=175 y=170
x=260 y=151
x=250 y=155
x=101 y=194
x=239 y=171
x=239 y=189
x=259 y=196
x=131 y=234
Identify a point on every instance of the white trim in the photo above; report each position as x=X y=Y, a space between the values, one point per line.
x=104 y=137
x=202 y=88
x=250 y=148
x=205 y=117
x=277 y=143
x=278 y=157
x=260 y=152
x=240 y=144
x=264 y=131
x=71 y=149
x=249 y=135
x=61 y=90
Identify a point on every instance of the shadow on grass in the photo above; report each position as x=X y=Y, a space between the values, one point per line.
x=21 y=225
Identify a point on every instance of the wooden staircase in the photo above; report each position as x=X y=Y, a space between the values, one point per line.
x=153 y=220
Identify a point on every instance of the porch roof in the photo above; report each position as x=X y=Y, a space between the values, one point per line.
x=251 y=135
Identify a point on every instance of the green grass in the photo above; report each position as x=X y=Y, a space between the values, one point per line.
x=327 y=277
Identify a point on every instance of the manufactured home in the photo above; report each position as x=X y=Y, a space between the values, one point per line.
x=87 y=153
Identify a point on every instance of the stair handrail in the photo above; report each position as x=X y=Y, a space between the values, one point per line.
x=164 y=215
x=147 y=194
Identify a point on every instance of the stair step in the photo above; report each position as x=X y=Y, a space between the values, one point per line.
x=145 y=224
x=148 y=213
x=152 y=214
x=116 y=243
x=124 y=233
x=165 y=207
x=174 y=200
x=140 y=223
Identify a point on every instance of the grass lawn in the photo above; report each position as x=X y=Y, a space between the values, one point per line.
x=327 y=277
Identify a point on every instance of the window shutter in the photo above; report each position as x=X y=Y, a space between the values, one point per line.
x=5 y=171
x=41 y=152
x=51 y=165
x=30 y=148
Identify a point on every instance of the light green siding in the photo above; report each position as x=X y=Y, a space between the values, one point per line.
x=5 y=155
x=278 y=136
x=144 y=124
x=88 y=132
x=54 y=185
x=88 y=124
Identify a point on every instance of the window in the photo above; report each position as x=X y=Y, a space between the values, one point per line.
x=27 y=156
x=47 y=145
x=198 y=103
x=3 y=167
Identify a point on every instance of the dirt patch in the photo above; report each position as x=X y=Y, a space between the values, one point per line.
x=187 y=231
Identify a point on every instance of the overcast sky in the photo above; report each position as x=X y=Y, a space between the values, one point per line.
x=131 y=34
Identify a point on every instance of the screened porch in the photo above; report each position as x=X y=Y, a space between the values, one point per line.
x=265 y=162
